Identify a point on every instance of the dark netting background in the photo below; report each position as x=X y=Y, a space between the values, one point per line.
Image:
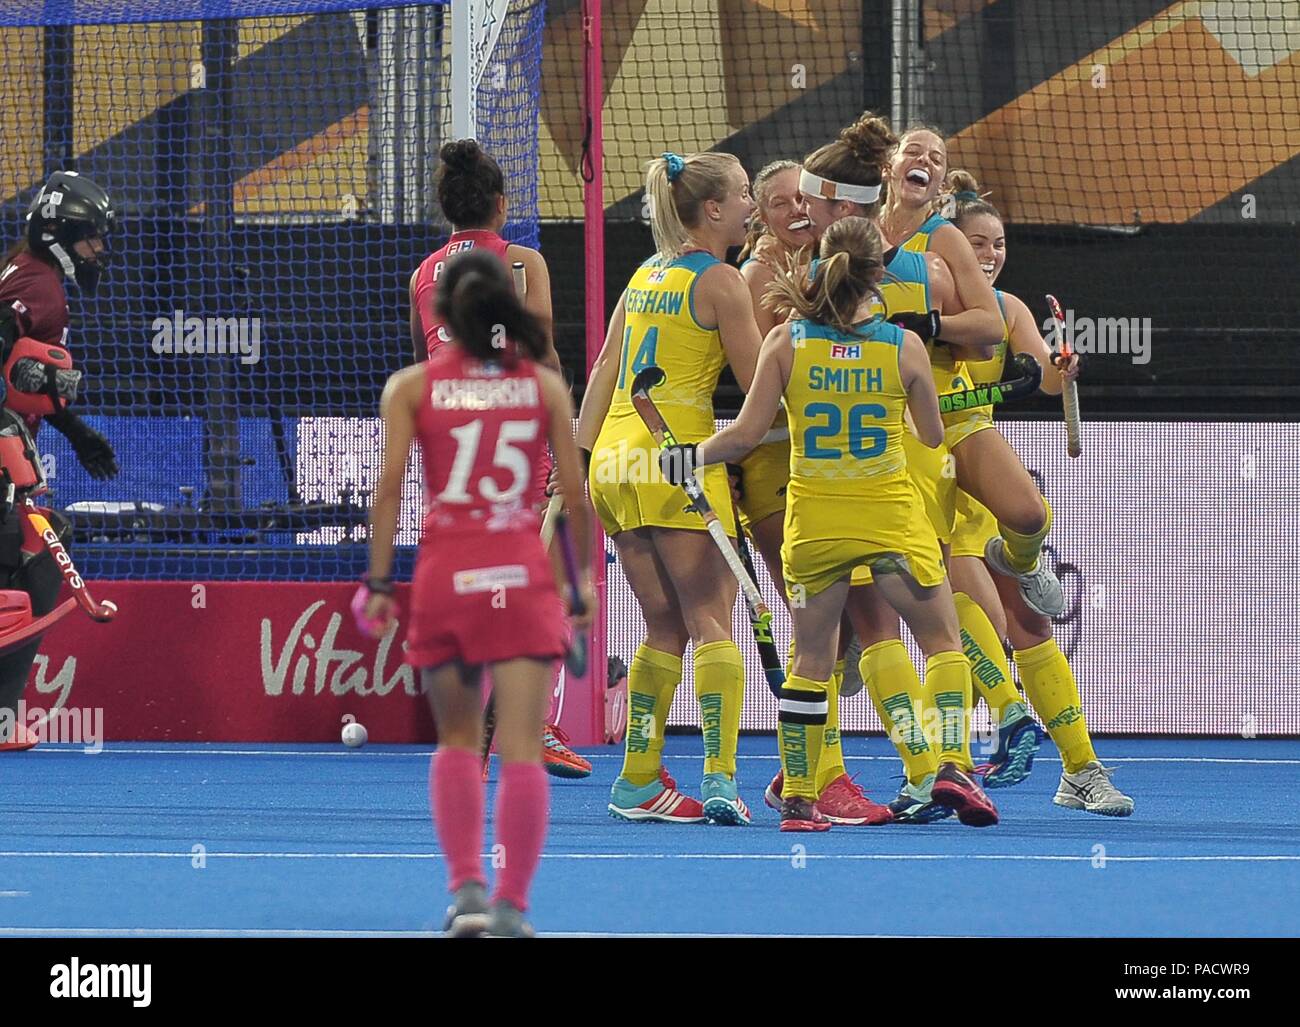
x=1143 y=153
x=273 y=177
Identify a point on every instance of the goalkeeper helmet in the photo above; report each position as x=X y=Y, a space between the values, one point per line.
x=67 y=210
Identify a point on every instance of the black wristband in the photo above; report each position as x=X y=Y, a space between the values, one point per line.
x=379 y=586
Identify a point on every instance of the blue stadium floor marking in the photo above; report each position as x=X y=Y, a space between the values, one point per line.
x=292 y=845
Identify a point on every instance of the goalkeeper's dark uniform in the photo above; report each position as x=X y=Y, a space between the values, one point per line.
x=66 y=225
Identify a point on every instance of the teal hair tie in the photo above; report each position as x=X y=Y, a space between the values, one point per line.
x=676 y=165
x=966 y=196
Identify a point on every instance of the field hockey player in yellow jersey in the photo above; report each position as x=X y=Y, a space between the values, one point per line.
x=846 y=379
x=838 y=180
x=999 y=610
x=843 y=179
x=765 y=473
x=686 y=311
x=915 y=180
x=779 y=230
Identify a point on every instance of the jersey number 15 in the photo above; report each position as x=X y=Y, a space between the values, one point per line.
x=507 y=457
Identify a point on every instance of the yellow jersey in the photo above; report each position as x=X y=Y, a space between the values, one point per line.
x=978 y=372
x=660 y=327
x=919 y=241
x=906 y=288
x=845 y=401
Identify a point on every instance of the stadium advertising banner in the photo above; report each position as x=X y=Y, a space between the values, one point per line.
x=243 y=662
x=1177 y=548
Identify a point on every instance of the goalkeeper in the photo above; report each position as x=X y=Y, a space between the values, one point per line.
x=66 y=228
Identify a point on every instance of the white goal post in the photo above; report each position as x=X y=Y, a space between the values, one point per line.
x=475 y=26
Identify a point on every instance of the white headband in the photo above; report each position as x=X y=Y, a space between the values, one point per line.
x=814 y=185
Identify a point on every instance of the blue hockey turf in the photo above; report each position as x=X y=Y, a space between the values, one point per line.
x=235 y=839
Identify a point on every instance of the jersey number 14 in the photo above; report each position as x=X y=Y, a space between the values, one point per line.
x=645 y=354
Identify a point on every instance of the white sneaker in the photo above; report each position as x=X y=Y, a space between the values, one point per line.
x=1090 y=789
x=1039 y=588
x=852 y=683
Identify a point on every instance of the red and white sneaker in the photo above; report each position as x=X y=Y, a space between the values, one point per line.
x=957 y=790
x=22 y=739
x=844 y=802
x=802 y=815
x=772 y=796
x=558 y=759
x=658 y=803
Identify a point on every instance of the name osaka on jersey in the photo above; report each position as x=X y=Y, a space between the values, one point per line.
x=483 y=394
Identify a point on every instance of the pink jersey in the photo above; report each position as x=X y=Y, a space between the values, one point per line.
x=436 y=333
x=482 y=429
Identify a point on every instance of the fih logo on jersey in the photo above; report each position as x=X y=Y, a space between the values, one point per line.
x=658 y=276
x=839 y=351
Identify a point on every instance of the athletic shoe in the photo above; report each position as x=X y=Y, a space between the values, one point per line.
x=799 y=814
x=507 y=921
x=558 y=759
x=843 y=802
x=915 y=805
x=957 y=790
x=1018 y=740
x=722 y=804
x=20 y=739
x=467 y=916
x=653 y=803
x=852 y=683
x=1090 y=789
x=1039 y=588
x=772 y=796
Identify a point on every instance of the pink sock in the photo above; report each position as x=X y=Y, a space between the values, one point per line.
x=521 y=819
x=456 y=798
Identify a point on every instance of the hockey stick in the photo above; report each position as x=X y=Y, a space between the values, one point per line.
x=101 y=612
x=576 y=659
x=767 y=651
x=645 y=380
x=553 y=507
x=1069 y=390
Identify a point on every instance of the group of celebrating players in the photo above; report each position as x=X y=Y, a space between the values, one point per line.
x=864 y=292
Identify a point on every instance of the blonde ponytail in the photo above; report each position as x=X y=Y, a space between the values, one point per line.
x=677 y=188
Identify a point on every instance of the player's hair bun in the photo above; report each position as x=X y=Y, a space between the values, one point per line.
x=962 y=181
x=870 y=139
x=461 y=154
x=469 y=182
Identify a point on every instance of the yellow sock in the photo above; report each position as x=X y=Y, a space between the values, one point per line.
x=831 y=764
x=720 y=688
x=989 y=670
x=1022 y=550
x=1050 y=685
x=899 y=699
x=651 y=681
x=947 y=677
x=802 y=724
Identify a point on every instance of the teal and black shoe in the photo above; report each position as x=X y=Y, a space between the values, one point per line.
x=722 y=804
x=1018 y=740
